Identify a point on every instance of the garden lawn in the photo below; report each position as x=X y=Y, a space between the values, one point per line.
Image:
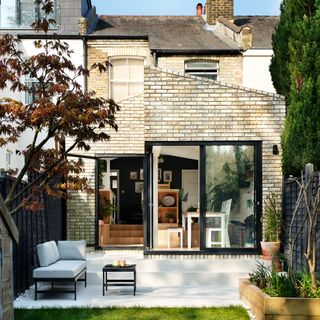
x=229 y=313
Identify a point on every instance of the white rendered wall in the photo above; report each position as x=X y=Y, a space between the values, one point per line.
x=17 y=160
x=256 y=72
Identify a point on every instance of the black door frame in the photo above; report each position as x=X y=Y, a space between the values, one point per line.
x=257 y=203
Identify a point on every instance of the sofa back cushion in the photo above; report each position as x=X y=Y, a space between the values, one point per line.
x=48 y=253
x=72 y=250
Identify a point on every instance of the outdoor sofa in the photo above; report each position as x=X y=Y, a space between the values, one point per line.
x=64 y=263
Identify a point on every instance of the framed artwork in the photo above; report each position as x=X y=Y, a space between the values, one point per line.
x=167 y=176
x=138 y=187
x=133 y=175
x=141 y=174
x=159 y=175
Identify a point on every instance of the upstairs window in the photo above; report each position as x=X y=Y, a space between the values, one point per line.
x=32 y=84
x=16 y=14
x=205 y=69
x=126 y=78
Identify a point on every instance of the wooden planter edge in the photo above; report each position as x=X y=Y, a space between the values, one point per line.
x=265 y=307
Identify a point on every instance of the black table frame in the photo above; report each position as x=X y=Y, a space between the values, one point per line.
x=118 y=282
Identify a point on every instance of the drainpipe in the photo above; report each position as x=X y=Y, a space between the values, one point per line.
x=85 y=63
x=155 y=59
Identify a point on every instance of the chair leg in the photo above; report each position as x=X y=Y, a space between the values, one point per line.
x=75 y=290
x=85 y=279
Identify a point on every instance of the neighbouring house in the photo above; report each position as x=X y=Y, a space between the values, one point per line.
x=74 y=19
x=198 y=145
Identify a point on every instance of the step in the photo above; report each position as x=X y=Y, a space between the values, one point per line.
x=126 y=227
x=126 y=233
x=216 y=270
x=124 y=240
x=172 y=279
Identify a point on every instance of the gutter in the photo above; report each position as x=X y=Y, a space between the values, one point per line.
x=196 y=51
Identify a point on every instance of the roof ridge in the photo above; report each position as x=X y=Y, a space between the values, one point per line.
x=226 y=85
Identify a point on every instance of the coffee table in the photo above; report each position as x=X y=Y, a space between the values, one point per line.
x=118 y=282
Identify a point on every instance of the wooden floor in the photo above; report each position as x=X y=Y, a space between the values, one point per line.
x=120 y=234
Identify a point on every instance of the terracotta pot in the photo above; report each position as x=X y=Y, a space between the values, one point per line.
x=270 y=249
x=107 y=220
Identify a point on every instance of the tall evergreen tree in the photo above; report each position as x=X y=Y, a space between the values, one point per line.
x=295 y=71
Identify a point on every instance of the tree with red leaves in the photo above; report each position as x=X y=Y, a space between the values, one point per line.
x=60 y=108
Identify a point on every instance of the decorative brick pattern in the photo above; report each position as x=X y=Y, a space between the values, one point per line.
x=219 y=8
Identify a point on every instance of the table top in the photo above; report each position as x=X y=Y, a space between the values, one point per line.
x=124 y=268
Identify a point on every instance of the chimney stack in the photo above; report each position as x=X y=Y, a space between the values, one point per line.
x=219 y=8
x=199 y=10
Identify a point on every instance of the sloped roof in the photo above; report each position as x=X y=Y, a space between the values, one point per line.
x=262 y=29
x=165 y=33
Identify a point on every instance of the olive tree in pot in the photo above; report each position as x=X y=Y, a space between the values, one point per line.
x=108 y=211
x=271 y=220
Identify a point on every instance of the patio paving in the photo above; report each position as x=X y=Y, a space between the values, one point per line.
x=184 y=296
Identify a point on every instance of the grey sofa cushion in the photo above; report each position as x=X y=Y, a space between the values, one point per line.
x=48 y=253
x=62 y=269
x=72 y=250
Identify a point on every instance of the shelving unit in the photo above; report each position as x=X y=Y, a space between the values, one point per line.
x=163 y=210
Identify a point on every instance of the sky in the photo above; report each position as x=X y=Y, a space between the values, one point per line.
x=180 y=7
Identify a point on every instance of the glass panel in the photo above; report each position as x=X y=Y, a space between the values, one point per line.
x=19 y=13
x=230 y=216
x=205 y=65
x=136 y=68
x=119 y=91
x=119 y=70
x=135 y=89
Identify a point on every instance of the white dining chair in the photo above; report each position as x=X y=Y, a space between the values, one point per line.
x=222 y=229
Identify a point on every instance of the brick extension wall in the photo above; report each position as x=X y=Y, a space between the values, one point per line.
x=186 y=108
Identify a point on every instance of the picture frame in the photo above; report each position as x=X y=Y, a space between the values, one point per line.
x=159 y=175
x=141 y=174
x=133 y=175
x=167 y=176
x=138 y=187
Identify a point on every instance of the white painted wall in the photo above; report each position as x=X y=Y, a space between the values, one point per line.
x=256 y=72
x=17 y=160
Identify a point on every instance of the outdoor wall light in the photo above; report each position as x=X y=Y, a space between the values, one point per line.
x=275 y=149
x=161 y=160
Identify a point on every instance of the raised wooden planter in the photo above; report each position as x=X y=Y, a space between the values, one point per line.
x=265 y=307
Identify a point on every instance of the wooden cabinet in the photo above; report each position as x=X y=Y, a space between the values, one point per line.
x=167 y=212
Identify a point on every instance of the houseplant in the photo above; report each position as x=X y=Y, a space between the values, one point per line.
x=108 y=210
x=271 y=220
x=170 y=217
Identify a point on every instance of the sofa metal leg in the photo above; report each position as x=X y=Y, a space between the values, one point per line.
x=85 y=279
x=75 y=290
x=35 y=290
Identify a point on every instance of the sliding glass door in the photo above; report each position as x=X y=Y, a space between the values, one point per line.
x=215 y=193
x=230 y=202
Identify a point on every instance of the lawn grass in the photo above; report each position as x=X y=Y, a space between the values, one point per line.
x=228 y=313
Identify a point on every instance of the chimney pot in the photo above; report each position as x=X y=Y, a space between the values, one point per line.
x=199 y=10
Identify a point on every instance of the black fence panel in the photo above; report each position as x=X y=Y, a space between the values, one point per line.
x=290 y=196
x=34 y=227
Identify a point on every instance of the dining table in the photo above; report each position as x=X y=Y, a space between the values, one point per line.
x=187 y=222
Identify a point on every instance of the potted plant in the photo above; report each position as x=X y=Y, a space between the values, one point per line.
x=171 y=217
x=271 y=220
x=108 y=210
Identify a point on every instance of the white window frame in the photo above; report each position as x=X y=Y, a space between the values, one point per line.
x=112 y=81
x=202 y=71
x=9 y=154
x=30 y=82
